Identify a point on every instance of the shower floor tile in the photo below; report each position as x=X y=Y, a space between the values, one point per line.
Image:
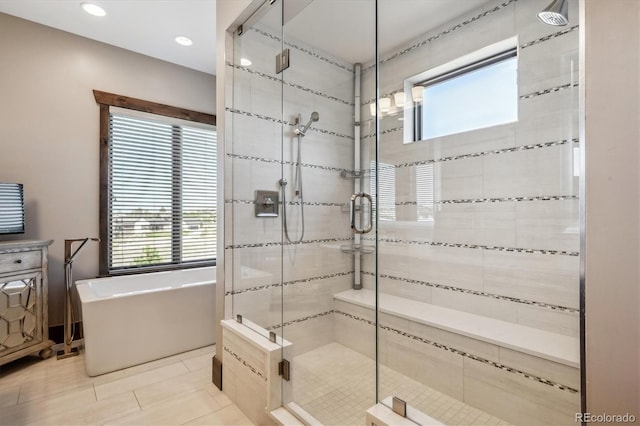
x=336 y=385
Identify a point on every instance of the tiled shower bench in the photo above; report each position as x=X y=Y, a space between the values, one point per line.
x=521 y=374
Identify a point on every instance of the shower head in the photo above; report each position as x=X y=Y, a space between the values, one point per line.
x=314 y=117
x=557 y=13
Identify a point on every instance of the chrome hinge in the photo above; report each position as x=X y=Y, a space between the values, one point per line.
x=399 y=407
x=284 y=369
x=282 y=61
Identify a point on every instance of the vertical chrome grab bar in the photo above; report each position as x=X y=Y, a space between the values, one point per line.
x=352 y=213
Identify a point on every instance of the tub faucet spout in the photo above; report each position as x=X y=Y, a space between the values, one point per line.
x=68 y=256
x=69 y=331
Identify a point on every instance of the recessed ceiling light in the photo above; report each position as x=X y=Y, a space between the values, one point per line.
x=93 y=9
x=245 y=62
x=183 y=41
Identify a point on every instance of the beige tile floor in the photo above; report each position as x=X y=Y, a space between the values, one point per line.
x=171 y=391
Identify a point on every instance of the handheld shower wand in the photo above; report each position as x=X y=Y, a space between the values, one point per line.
x=300 y=132
x=69 y=330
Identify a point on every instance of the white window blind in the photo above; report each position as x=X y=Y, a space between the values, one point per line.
x=386 y=190
x=11 y=208
x=162 y=193
x=424 y=191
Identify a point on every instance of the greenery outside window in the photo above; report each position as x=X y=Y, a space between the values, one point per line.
x=158 y=187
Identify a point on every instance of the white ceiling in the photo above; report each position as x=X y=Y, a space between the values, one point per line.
x=143 y=26
x=344 y=28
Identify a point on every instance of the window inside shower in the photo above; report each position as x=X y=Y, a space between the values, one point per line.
x=475 y=91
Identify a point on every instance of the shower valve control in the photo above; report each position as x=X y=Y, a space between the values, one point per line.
x=266 y=203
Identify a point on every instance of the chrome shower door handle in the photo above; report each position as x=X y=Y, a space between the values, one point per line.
x=352 y=213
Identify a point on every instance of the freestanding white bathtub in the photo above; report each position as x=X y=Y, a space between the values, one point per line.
x=134 y=319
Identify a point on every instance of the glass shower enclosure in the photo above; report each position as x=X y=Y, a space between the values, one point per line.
x=403 y=200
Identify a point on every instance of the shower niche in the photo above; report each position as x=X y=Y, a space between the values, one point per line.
x=437 y=267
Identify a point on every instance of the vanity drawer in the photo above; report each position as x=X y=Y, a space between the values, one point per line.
x=11 y=262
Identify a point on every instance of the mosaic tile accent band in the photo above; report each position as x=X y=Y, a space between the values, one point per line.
x=286 y=163
x=291 y=203
x=288 y=283
x=491 y=152
x=288 y=83
x=245 y=363
x=476 y=246
x=442 y=33
x=550 y=90
x=299 y=320
x=304 y=50
x=495 y=200
x=463 y=353
x=549 y=37
x=279 y=243
x=477 y=293
x=508 y=199
x=278 y=121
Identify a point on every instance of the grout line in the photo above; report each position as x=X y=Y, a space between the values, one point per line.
x=19 y=394
x=136 y=397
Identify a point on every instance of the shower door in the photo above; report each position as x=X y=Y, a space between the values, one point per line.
x=332 y=357
x=478 y=212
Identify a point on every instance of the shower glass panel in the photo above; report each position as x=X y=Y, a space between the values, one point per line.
x=455 y=289
x=332 y=356
x=254 y=244
x=478 y=228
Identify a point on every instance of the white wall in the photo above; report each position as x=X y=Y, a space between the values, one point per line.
x=612 y=137
x=49 y=128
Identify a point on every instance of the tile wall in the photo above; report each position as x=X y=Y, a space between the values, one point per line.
x=503 y=239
